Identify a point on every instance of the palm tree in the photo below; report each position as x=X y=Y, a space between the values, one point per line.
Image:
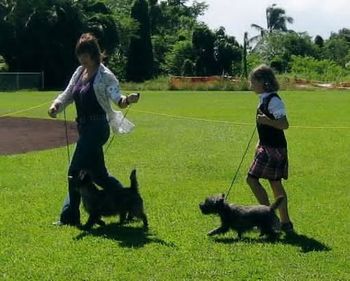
x=276 y=20
x=244 y=57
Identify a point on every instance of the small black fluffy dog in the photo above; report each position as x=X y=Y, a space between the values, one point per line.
x=242 y=218
x=125 y=202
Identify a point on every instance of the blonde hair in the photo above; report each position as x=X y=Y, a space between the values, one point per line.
x=265 y=75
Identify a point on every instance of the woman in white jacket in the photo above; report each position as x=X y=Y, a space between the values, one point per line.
x=91 y=88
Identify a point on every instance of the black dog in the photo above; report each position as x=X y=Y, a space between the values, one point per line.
x=242 y=218
x=125 y=202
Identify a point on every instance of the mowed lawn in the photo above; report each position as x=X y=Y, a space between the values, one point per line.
x=186 y=146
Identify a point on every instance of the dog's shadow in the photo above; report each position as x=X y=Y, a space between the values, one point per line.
x=126 y=235
x=305 y=243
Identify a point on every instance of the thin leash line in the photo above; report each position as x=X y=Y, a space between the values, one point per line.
x=235 y=123
x=67 y=139
x=193 y=118
x=323 y=128
x=24 y=110
x=110 y=142
x=240 y=164
x=66 y=131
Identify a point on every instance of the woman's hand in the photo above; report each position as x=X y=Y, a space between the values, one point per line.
x=127 y=100
x=53 y=110
x=132 y=98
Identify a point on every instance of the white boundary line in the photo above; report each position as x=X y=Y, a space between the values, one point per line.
x=192 y=118
x=233 y=123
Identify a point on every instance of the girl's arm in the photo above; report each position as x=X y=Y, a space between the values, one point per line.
x=281 y=123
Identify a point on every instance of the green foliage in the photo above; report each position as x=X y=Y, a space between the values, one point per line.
x=126 y=26
x=187 y=68
x=277 y=48
x=172 y=21
x=3 y=65
x=117 y=64
x=319 y=41
x=253 y=60
x=142 y=39
x=162 y=45
x=203 y=44
x=320 y=70
x=41 y=35
x=227 y=52
x=276 y=20
x=337 y=49
x=182 y=51
x=185 y=146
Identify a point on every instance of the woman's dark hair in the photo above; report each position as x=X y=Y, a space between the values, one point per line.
x=265 y=75
x=88 y=44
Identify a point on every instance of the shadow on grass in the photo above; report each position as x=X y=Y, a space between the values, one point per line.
x=305 y=243
x=126 y=236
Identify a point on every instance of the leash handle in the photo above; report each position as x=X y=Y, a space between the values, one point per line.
x=240 y=164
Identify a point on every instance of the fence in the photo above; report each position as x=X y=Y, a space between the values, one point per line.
x=21 y=80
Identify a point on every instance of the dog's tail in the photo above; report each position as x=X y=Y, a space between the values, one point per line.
x=277 y=203
x=133 y=180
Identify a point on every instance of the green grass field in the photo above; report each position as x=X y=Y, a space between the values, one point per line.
x=186 y=146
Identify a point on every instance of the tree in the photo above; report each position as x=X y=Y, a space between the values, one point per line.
x=203 y=43
x=171 y=22
x=40 y=35
x=226 y=53
x=277 y=48
x=319 y=41
x=343 y=33
x=140 y=55
x=182 y=51
x=187 y=68
x=244 y=55
x=276 y=20
x=337 y=49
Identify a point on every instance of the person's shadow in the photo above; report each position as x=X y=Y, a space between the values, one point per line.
x=125 y=236
x=305 y=243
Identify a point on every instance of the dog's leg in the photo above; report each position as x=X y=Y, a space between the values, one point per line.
x=129 y=217
x=144 y=220
x=269 y=232
x=100 y=222
x=89 y=224
x=220 y=230
x=122 y=217
x=91 y=221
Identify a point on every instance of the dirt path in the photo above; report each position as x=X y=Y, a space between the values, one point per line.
x=20 y=135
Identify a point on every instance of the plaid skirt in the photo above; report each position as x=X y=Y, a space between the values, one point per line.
x=270 y=163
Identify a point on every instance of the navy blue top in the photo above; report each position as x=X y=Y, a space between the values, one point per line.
x=268 y=135
x=85 y=98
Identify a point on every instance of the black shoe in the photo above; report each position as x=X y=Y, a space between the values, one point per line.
x=69 y=218
x=287 y=227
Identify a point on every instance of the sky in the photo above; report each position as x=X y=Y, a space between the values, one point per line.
x=317 y=17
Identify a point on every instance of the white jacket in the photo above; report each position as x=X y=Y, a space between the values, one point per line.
x=106 y=87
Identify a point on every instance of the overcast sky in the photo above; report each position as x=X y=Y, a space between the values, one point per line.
x=317 y=17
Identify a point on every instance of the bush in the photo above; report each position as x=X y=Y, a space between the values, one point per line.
x=3 y=65
x=320 y=70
